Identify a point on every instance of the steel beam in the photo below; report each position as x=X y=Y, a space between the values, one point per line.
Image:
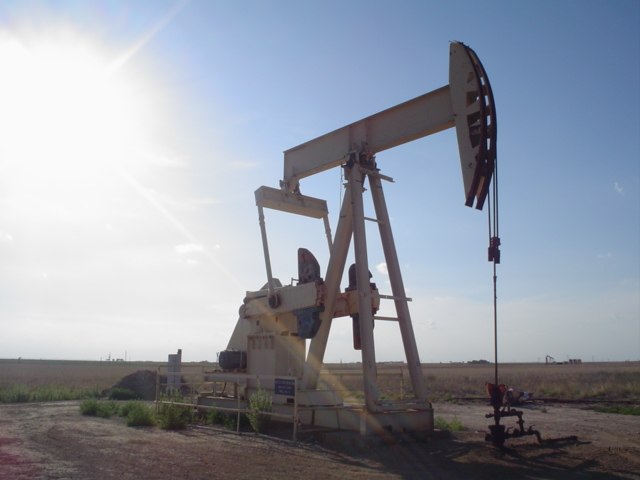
x=335 y=269
x=397 y=288
x=277 y=199
x=369 y=368
x=424 y=115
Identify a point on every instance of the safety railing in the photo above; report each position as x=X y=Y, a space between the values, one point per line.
x=348 y=382
x=198 y=388
x=230 y=393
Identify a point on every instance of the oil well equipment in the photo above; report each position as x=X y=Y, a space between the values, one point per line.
x=281 y=335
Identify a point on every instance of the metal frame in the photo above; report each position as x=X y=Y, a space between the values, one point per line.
x=467 y=104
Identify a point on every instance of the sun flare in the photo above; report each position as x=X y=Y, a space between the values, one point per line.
x=69 y=115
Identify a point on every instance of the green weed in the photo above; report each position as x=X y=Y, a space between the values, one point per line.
x=106 y=409
x=226 y=419
x=140 y=415
x=174 y=417
x=215 y=417
x=619 y=409
x=260 y=403
x=15 y=394
x=45 y=393
x=454 y=425
x=89 y=407
x=124 y=409
x=95 y=408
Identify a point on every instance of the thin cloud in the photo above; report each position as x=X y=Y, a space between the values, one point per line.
x=618 y=188
x=381 y=268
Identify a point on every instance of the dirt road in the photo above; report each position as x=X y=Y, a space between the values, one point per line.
x=53 y=441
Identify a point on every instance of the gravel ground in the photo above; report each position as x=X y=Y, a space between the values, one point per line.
x=53 y=441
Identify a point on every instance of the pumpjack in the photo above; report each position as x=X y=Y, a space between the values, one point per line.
x=281 y=335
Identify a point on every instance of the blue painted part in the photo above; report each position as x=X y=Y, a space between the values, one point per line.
x=308 y=321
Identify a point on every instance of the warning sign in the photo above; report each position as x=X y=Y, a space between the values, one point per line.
x=285 y=386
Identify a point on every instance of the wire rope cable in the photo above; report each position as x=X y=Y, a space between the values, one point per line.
x=494 y=256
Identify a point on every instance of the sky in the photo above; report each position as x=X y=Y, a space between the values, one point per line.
x=134 y=134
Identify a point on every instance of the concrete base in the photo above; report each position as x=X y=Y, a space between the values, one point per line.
x=411 y=420
x=358 y=419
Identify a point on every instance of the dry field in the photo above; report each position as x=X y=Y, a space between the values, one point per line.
x=68 y=380
x=67 y=373
x=448 y=381
x=612 y=381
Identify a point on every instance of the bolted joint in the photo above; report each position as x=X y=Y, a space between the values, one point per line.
x=274 y=300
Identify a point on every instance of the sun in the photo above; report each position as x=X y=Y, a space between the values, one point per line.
x=69 y=114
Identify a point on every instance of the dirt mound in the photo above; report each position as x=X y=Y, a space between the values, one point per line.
x=142 y=382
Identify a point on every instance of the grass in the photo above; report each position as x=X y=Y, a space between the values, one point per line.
x=619 y=409
x=260 y=403
x=453 y=425
x=137 y=413
x=96 y=408
x=89 y=407
x=228 y=420
x=45 y=393
x=140 y=415
x=174 y=417
x=215 y=417
x=106 y=409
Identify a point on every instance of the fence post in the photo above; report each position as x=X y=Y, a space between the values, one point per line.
x=157 y=389
x=238 y=404
x=295 y=409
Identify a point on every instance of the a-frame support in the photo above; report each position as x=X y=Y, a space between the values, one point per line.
x=397 y=288
x=352 y=225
